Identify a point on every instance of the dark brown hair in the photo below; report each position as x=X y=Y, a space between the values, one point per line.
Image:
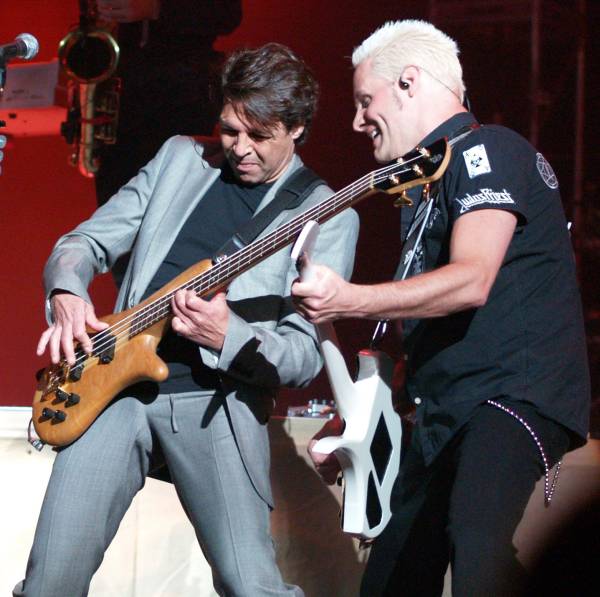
x=269 y=85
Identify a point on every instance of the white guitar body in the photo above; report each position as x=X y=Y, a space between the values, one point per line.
x=369 y=448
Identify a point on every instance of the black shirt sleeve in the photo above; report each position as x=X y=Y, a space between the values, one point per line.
x=491 y=172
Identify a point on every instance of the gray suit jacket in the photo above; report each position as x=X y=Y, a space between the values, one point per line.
x=268 y=344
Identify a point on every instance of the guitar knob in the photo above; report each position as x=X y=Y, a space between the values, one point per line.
x=72 y=399
x=60 y=416
x=61 y=395
x=75 y=373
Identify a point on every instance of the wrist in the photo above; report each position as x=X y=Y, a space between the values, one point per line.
x=57 y=291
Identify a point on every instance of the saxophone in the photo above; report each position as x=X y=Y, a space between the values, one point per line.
x=89 y=55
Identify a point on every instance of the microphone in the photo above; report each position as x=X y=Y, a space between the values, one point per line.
x=25 y=46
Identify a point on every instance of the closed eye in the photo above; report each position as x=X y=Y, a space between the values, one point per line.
x=258 y=137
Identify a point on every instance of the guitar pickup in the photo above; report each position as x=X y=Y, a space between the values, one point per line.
x=104 y=348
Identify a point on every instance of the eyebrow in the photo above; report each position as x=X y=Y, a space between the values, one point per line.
x=255 y=132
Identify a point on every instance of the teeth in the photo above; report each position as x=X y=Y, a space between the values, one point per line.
x=373 y=133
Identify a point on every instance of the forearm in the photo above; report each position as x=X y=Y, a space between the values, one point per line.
x=96 y=244
x=477 y=248
x=454 y=287
x=288 y=354
x=71 y=266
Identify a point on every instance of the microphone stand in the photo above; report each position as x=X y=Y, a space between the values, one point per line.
x=2 y=123
x=2 y=75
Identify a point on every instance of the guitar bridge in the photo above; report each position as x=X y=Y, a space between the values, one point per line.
x=55 y=376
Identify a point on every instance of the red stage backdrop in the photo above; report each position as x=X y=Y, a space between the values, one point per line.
x=41 y=196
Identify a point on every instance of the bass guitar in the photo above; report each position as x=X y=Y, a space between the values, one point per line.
x=69 y=398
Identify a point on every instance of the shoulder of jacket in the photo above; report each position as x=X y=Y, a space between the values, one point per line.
x=208 y=148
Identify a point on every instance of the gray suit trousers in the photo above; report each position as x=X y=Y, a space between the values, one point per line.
x=94 y=480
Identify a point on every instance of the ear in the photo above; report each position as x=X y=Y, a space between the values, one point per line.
x=409 y=80
x=296 y=132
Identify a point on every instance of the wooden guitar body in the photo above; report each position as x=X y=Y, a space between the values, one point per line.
x=122 y=356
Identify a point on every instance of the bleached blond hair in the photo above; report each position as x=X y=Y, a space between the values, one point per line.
x=398 y=44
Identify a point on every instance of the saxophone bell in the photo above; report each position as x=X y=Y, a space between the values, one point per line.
x=89 y=56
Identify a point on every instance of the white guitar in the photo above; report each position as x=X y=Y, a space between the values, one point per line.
x=369 y=448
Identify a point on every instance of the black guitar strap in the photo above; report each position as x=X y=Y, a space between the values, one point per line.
x=296 y=189
x=422 y=213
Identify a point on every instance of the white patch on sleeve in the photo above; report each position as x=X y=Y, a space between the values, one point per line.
x=477 y=161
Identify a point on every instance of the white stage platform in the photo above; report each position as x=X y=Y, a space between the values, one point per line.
x=155 y=553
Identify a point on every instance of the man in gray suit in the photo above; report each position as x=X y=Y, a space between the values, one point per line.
x=227 y=356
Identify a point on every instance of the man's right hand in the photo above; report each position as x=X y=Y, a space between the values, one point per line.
x=71 y=316
x=327 y=465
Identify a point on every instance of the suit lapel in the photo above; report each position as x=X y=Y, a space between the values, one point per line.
x=172 y=212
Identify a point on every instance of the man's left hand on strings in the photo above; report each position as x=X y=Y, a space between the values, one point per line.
x=199 y=320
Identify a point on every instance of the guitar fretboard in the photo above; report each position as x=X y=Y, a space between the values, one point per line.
x=229 y=267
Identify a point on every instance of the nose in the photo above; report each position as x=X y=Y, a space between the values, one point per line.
x=241 y=147
x=359 y=119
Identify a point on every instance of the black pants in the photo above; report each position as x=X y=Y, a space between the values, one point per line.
x=463 y=509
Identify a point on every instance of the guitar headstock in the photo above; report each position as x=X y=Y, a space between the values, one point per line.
x=420 y=166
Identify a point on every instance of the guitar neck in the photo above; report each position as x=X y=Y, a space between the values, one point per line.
x=418 y=167
x=229 y=267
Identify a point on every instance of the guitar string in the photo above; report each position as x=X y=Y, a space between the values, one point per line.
x=214 y=270
x=114 y=333
x=217 y=274
x=152 y=310
x=156 y=311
